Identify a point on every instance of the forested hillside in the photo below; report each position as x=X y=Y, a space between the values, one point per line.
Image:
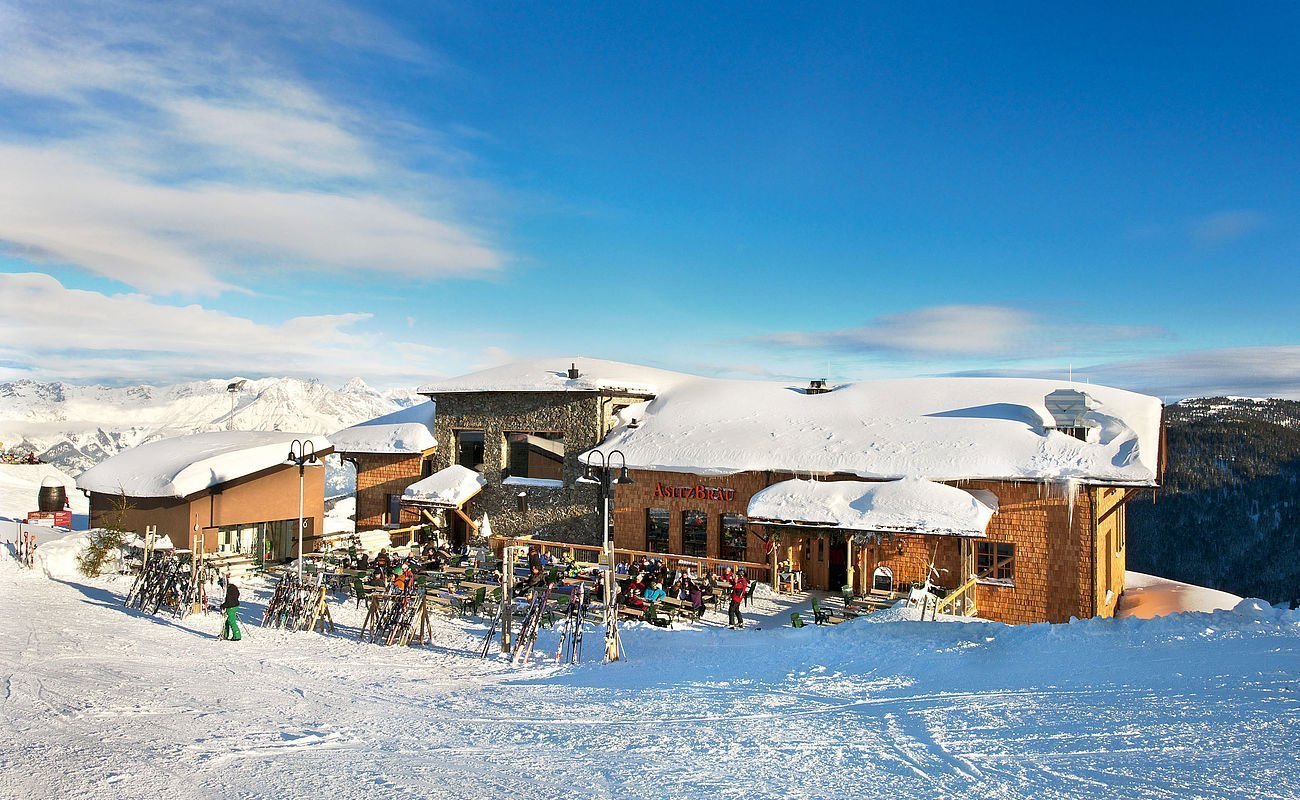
x=1228 y=514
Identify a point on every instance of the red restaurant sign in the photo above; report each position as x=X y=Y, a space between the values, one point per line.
x=696 y=492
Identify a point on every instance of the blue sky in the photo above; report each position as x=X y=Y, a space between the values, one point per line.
x=861 y=190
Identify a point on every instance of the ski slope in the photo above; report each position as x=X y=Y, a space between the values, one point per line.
x=101 y=702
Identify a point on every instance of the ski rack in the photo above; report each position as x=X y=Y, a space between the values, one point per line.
x=391 y=619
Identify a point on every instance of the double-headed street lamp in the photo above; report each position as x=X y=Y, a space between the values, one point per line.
x=605 y=481
x=301 y=453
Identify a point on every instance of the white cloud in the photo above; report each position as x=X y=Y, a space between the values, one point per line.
x=175 y=149
x=50 y=332
x=960 y=331
x=1264 y=371
x=1226 y=226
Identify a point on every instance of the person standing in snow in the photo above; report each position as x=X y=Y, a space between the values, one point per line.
x=230 y=630
x=739 y=586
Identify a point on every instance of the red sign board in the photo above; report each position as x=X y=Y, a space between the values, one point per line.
x=697 y=492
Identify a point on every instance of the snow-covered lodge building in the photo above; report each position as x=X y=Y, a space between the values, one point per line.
x=1013 y=489
x=232 y=491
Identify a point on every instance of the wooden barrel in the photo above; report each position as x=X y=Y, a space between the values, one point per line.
x=53 y=498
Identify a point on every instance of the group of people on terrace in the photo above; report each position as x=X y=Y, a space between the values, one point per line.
x=647 y=578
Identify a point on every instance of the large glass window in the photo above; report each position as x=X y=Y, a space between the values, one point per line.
x=695 y=534
x=996 y=561
x=535 y=455
x=656 y=530
x=240 y=538
x=735 y=537
x=469 y=449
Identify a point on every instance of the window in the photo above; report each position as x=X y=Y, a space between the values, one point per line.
x=426 y=467
x=393 y=509
x=735 y=537
x=995 y=561
x=656 y=530
x=695 y=534
x=240 y=538
x=535 y=455
x=469 y=449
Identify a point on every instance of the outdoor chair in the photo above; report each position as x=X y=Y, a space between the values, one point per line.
x=820 y=617
x=749 y=593
x=475 y=603
x=796 y=621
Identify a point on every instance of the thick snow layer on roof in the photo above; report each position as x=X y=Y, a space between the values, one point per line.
x=937 y=428
x=551 y=375
x=908 y=505
x=448 y=487
x=183 y=465
x=1147 y=596
x=409 y=430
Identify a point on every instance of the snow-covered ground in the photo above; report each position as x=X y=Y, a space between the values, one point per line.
x=100 y=701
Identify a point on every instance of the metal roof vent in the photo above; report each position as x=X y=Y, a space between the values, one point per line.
x=1069 y=409
x=573 y=372
x=817 y=386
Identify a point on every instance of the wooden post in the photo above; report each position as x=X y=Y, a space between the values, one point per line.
x=372 y=613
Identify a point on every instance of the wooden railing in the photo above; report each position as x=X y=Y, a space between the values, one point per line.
x=698 y=564
x=962 y=601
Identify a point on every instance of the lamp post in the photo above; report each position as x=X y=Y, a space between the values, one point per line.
x=301 y=453
x=234 y=388
x=605 y=482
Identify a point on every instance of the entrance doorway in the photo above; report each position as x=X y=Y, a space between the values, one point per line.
x=837 y=567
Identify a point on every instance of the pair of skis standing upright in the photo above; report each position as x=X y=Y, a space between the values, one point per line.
x=570 y=647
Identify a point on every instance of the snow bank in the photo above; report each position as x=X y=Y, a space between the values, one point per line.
x=407 y=431
x=58 y=558
x=183 y=465
x=551 y=375
x=940 y=428
x=906 y=506
x=1148 y=596
x=448 y=487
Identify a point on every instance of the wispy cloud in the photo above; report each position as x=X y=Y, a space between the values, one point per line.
x=1265 y=371
x=1226 y=226
x=132 y=337
x=961 y=331
x=174 y=148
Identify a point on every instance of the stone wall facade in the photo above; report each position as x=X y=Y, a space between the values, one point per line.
x=564 y=512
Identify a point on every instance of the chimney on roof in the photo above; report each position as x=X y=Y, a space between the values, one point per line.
x=817 y=386
x=573 y=372
x=1069 y=409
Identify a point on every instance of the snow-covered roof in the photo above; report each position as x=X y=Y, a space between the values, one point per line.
x=409 y=430
x=551 y=375
x=448 y=488
x=184 y=465
x=910 y=505
x=938 y=428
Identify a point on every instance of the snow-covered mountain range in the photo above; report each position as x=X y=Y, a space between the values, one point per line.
x=75 y=427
